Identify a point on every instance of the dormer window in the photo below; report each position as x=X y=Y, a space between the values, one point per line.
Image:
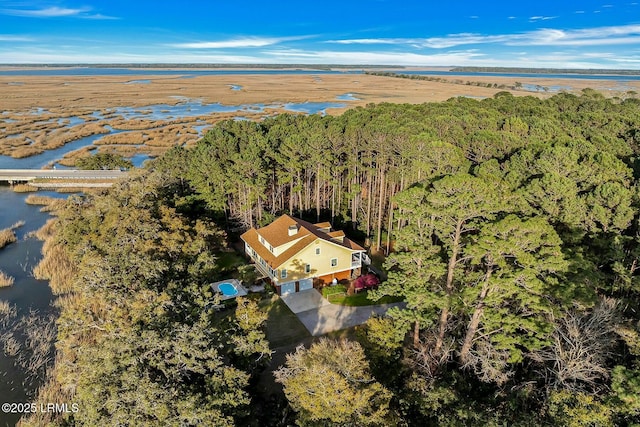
x=293 y=230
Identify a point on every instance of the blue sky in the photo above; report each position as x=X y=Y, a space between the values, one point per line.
x=562 y=34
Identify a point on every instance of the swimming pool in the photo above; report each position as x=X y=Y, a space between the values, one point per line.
x=228 y=289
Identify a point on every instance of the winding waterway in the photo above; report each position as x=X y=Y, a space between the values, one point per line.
x=27 y=294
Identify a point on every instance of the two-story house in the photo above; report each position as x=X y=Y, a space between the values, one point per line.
x=294 y=253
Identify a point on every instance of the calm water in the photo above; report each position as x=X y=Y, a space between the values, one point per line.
x=347 y=97
x=27 y=293
x=189 y=73
x=88 y=71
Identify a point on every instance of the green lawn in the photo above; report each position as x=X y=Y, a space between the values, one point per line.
x=338 y=295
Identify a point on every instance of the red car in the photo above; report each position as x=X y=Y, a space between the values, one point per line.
x=368 y=281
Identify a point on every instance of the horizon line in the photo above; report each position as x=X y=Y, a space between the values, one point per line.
x=284 y=64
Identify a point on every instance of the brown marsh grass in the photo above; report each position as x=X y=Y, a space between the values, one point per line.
x=50 y=204
x=36 y=139
x=57 y=267
x=7 y=313
x=71 y=158
x=47 y=230
x=24 y=188
x=128 y=138
x=88 y=92
x=32 y=199
x=71 y=189
x=8 y=235
x=79 y=96
x=5 y=279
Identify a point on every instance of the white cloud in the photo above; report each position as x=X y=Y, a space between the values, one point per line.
x=451 y=40
x=467 y=57
x=296 y=56
x=617 y=35
x=14 y=38
x=370 y=41
x=49 y=12
x=73 y=56
x=600 y=36
x=462 y=39
x=55 y=12
x=98 y=16
x=371 y=58
x=235 y=43
x=541 y=18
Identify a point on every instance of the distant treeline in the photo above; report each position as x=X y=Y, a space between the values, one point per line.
x=516 y=86
x=543 y=70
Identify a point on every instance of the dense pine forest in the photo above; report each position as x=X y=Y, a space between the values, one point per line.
x=509 y=226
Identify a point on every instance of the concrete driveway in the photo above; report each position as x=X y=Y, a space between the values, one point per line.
x=303 y=301
x=319 y=316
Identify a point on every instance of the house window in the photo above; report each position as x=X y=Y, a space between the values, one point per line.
x=334 y=262
x=307 y=268
x=270 y=248
x=317 y=251
x=283 y=274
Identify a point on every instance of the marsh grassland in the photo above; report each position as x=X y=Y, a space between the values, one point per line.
x=46 y=112
x=5 y=279
x=8 y=235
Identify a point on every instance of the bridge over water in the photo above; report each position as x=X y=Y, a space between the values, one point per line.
x=22 y=175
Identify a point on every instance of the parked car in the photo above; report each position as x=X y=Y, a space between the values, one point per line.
x=365 y=282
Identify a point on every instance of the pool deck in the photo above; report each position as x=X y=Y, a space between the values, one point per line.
x=242 y=291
